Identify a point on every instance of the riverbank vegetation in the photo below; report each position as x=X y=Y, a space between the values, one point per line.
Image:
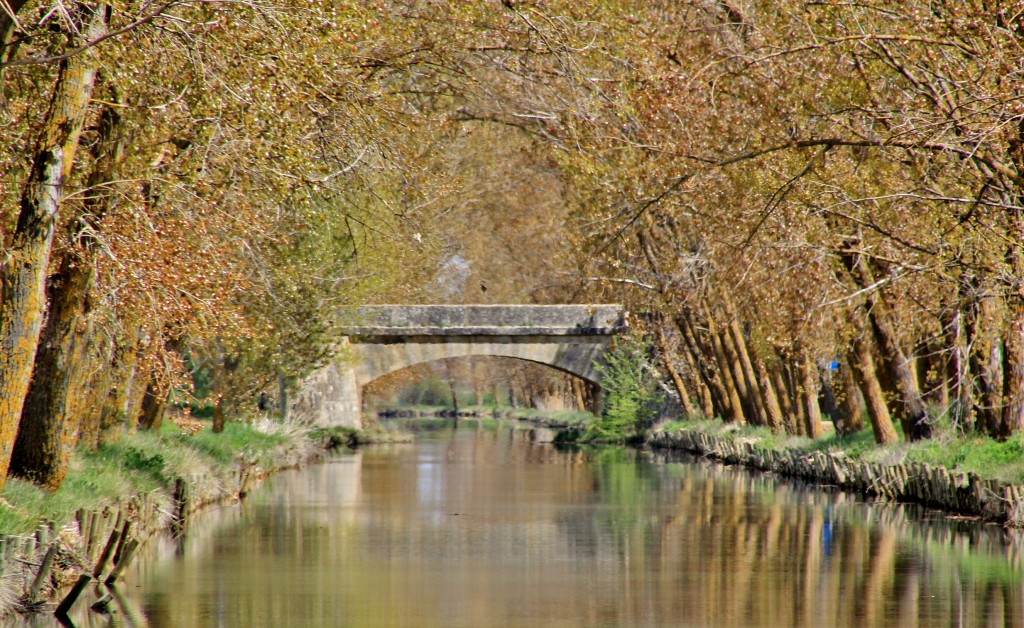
x=986 y=457
x=149 y=463
x=812 y=209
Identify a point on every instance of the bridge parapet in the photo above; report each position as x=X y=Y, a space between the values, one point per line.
x=484 y=320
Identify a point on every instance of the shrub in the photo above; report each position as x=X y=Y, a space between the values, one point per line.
x=632 y=395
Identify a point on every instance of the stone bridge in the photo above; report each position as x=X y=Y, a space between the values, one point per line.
x=382 y=339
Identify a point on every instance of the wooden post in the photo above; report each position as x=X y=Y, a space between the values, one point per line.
x=102 y=605
x=94 y=524
x=121 y=543
x=126 y=557
x=108 y=549
x=72 y=596
x=44 y=573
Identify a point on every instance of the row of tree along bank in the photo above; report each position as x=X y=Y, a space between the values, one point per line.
x=954 y=469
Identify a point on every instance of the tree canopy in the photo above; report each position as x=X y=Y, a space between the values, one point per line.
x=809 y=202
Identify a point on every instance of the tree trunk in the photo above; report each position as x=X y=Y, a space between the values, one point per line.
x=54 y=405
x=773 y=411
x=935 y=365
x=49 y=427
x=719 y=397
x=218 y=416
x=1013 y=374
x=696 y=366
x=729 y=386
x=707 y=402
x=282 y=397
x=850 y=404
x=154 y=407
x=112 y=395
x=789 y=413
x=986 y=363
x=863 y=362
x=916 y=425
x=8 y=47
x=809 y=390
x=90 y=431
x=739 y=378
x=827 y=394
x=960 y=370
x=661 y=343
x=1012 y=419
x=755 y=394
x=793 y=378
x=23 y=275
x=134 y=391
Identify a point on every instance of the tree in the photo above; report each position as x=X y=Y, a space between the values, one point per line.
x=632 y=394
x=23 y=273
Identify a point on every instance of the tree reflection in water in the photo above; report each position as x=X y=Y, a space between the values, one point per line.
x=485 y=526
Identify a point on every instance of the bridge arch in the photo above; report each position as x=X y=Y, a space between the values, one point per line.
x=374 y=360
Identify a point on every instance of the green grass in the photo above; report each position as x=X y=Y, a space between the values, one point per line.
x=1002 y=460
x=986 y=457
x=760 y=436
x=236 y=439
x=571 y=418
x=857 y=444
x=136 y=464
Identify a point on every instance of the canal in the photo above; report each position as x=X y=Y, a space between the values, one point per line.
x=485 y=525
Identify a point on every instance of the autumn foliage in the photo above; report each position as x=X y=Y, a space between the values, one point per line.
x=817 y=207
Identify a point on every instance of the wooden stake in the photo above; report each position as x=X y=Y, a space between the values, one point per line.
x=108 y=550
x=44 y=573
x=94 y=524
x=126 y=557
x=124 y=539
x=102 y=605
x=72 y=596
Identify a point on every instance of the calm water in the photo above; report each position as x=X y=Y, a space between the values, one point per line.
x=483 y=526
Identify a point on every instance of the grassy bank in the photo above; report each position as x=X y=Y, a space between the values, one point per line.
x=957 y=473
x=149 y=463
x=144 y=482
x=980 y=455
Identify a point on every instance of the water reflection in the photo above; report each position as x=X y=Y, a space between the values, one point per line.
x=484 y=526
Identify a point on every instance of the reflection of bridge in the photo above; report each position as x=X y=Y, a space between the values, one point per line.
x=386 y=338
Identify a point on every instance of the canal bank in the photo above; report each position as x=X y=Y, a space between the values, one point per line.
x=853 y=463
x=964 y=475
x=953 y=490
x=54 y=546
